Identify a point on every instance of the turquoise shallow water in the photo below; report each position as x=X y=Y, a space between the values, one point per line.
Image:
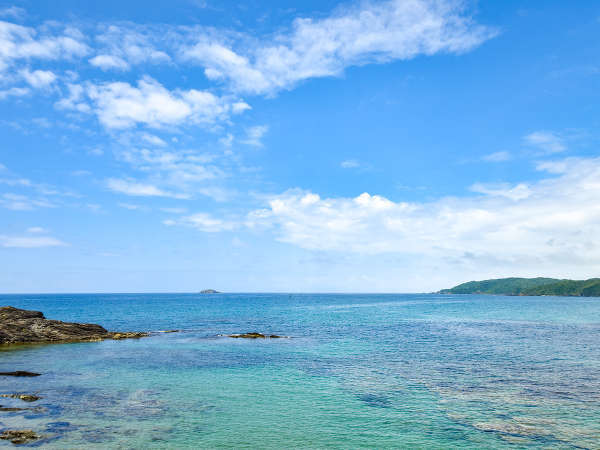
x=419 y=371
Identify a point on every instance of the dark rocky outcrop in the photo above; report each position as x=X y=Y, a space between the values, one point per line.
x=20 y=326
x=20 y=373
x=19 y=436
x=255 y=336
x=209 y=291
x=24 y=397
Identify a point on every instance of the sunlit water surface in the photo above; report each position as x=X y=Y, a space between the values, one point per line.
x=358 y=371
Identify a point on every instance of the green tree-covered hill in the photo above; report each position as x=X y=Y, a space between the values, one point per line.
x=529 y=286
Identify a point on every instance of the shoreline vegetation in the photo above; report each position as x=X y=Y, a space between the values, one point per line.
x=529 y=287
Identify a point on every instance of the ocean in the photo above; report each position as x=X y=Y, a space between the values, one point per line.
x=357 y=371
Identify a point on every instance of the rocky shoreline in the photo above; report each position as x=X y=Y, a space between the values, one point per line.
x=21 y=326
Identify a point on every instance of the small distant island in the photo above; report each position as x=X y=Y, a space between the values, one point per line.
x=529 y=286
x=209 y=291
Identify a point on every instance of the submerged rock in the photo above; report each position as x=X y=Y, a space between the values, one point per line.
x=255 y=336
x=11 y=408
x=24 y=397
x=509 y=428
x=128 y=335
x=20 y=373
x=20 y=326
x=19 y=436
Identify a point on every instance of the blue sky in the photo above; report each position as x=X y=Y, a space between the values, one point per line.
x=383 y=146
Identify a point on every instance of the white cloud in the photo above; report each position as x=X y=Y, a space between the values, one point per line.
x=498 y=157
x=81 y=173
x=130 y=206
x=19 y=202
x=134 y=188
x=30 y=241
x=179 y=173
x=38 y=79
x=369 y=33
x=174 y=210
x=254 y=135
x=75 y=100
x=540 y=227
x=108 y=62
x=13 y=11
x=18 y=42
x=175 y=167
x=546 y=141
x=120 y=105
x=153 y=140
x=36 y=230
x=519 y=192
x=350 y=164
x=14 y=92
x=227 y=140
x=203 y=222
x=123 y=46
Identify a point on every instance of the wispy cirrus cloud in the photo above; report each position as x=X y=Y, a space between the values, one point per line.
x=204 y=222
x=122 y=45
x=501 y=156
x=20 y=202
x=350 y=164
x=177 y=173
x=13 y=12
x=14 y=92
x=30 y=241
x=254 y=135
x=28 y=195
x=546 y=141
x=352 y=36
x=139 y=189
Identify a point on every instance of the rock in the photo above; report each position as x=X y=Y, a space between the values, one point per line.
x=19 y=436
x=24 y=397
x=169 y=331
x=254 y=336
x=209 y=291
x=20 y=373
x=19 y=326
x=509 y=428
x=127 y=335
x=11 y=408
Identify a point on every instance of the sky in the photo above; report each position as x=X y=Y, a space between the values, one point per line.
x=314 y=146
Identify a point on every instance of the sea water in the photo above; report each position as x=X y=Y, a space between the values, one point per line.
x=372 y=371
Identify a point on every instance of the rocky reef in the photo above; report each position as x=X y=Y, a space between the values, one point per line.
x=19 y=436
x=20 y=326
x=25 y=397
x=20 y=373
x=255 y=336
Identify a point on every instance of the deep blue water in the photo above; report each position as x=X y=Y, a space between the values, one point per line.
x=424 y=371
